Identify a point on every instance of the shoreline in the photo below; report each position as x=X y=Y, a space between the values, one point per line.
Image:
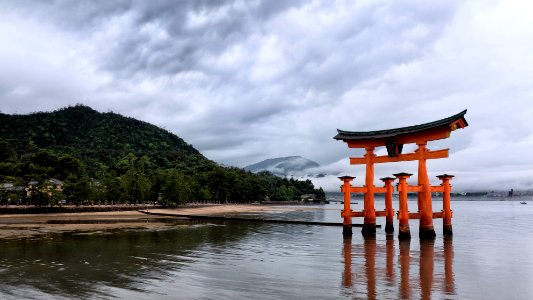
x=14 y=226
x=23 y=209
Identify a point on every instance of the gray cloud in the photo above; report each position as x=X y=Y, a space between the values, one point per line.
x=248 y=80
x=158 y=37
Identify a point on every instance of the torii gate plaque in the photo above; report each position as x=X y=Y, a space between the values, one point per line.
x=393 y=140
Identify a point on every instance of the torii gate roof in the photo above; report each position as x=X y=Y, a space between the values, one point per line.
x=429 y=131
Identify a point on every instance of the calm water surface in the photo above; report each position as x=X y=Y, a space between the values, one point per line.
x=490 y=257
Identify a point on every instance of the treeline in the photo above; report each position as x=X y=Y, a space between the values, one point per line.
x=134 y=180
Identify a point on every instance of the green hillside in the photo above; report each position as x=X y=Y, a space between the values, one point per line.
x=106 y=157
x=98 y=138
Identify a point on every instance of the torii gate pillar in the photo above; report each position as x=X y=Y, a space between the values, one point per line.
x=425 y=207
x=369 y=225
x=347 y=219
x=389 y=224
x=446 y=210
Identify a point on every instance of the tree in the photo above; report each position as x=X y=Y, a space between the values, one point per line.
x=135 y=183
x=77 y=189
x=283 y=194
x=7 y=153
x=177 y=189
x=98 y=191
x=4 y=196
x=39 y=195
x=320 y=195
x=67 y=165
x=112 y=187
x=55 y=196
x=217 y=182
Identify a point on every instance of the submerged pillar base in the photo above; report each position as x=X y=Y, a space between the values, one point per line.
x=404 y=232
x=427 y=232
x=369 y=230
x=447 y=229
x=347 y=230
x=389 y=228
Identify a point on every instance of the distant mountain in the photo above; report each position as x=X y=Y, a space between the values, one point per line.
x=283 y=166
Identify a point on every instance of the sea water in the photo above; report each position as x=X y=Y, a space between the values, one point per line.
x=489 y=257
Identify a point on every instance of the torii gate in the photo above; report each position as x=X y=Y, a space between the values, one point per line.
x=393 y=140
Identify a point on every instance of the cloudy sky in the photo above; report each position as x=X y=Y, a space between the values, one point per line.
x=248 y=80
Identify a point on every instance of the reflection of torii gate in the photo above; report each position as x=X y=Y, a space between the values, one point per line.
x=393 y=140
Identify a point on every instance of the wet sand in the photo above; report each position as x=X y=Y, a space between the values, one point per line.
x=35 y=225
x=228 y=209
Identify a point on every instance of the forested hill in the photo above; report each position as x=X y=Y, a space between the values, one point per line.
x=106 y=157
x=98 y=138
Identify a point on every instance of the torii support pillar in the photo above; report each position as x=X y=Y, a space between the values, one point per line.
x=347 y=219
x=389 y=225
x=403 y=213
x=425 y=207
x=446 y=207
x=369 y=226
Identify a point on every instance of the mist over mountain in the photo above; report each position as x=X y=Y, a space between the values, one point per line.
x=283 y=166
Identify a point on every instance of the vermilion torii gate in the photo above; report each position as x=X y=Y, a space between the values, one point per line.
x=393 y=140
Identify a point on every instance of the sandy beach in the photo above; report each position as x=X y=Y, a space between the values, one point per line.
x=35 y=225
x=228 y=209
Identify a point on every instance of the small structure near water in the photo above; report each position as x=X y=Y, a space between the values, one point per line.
x=394 y=140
